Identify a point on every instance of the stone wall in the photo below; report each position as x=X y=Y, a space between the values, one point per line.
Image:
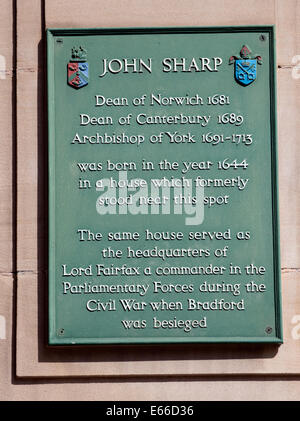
x=30 y=370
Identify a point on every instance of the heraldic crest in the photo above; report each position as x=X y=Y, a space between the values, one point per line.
x=78 y=68
x=245 y=66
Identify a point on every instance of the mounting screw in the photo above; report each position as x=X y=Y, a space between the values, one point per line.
x=262 y=37
x=60 y=41
x=61 y=331
x=268 y=330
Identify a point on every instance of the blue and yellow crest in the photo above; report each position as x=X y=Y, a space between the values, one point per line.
x=245 y=66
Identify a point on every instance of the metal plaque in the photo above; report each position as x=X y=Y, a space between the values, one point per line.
x=163 y=207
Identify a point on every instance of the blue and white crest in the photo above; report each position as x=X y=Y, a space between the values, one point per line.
x=245 y=66
x=245 y=71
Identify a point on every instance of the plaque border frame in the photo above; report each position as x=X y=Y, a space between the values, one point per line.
x=53 y=339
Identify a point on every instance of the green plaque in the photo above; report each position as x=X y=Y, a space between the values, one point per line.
x=163 y=207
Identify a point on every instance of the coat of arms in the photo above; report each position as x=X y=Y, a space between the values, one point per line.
x=245 y=66
x=78 y=68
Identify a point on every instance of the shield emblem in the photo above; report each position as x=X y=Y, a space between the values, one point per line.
x=78 y=74
x=245 y=71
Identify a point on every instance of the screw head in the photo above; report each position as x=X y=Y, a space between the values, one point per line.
x=262 y=37
x=61 y=331
x=268 y=330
